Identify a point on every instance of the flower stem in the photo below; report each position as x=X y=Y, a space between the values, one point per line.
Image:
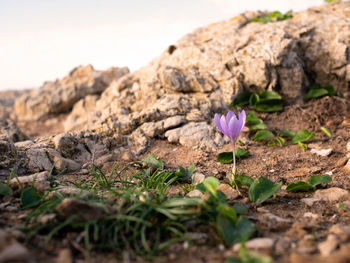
x=234 y=160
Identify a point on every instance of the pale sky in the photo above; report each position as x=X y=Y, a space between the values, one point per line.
x=42 y=40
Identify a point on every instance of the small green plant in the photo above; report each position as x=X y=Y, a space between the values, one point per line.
x=275 y=16
x=138 y=213
x=332 y=1
x=326 y=131
x=262 y=189
x=245 y=256
x=5 y=190
x=231 y=227
x=266 y=101
x=317 y=91
x=227 y=157
x=310 y=185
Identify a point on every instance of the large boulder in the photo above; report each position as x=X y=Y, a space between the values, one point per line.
x=60 y=96
x=203 y=71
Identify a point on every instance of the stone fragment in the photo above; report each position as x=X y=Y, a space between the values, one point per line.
x=64 y=256
x=333 y=194
x=342 y=161
x=38 y=160
x=197 y=135
x=347 y=167
x=69 y=191
x=62 y=163
x=348 y=146
x=83 y=210
x=41 y=182
x=329 y=245
x=23 y=145
x=341 y=231
x=197 y=178
x=264 y=244
x=60 y=96
x=275 y=218
x=311 y=215
x=14 y=252
x=309 y=201
x=230 y=192
x=11 y=131
x=48 y=218
x=322 y=152
x=194 y=193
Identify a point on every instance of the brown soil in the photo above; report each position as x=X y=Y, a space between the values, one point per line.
x=298 y=234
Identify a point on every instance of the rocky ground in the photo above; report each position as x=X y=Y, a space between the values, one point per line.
x=167 y=107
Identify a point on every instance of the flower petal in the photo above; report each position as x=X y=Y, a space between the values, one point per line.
x=242 y=116
x=232 y=126
x=229 y=116
x=217 y=122
x=224 y=125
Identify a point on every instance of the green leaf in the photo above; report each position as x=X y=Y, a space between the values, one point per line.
x=281 y=141
x=287 y=133
x=261 y=189
x=326 y=131
x=246 y=256
x=5 y=190
x=243 y=180
x=271 y=143
x=30 y=197
x=227 y=157
x=269 y=95
x=254 y=98
x=184 y=173
x=211 y=183
x=252 y=119
x=243 y=230
x=269 y=105
x=241 y=153
x=330 y=89
x=302 y=146
x=263 y=135
x=240 y=208
x=242 y=99
x=317 y=179
x=153 y=161
x=302 y=136
x=227 y=211
x=259 y=126
x=225 y=223
x=315 y=93
x=298 y=186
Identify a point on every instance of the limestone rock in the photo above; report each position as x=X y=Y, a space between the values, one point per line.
x=78 y=118
x=347 y=167
x=11 y=131
x=264 y=243
x=60 y=96
x=198 y=178
x=41 y=182
x=194 y=193
x=198 y=135
x=64 y=256
x=333 y=194
x=329 y=245
x=201 y=73
x=14 y=252
x=230 y=192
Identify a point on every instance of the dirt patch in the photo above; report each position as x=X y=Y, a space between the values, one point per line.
x=294 y=226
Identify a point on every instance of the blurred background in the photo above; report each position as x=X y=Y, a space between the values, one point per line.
x=43 y=40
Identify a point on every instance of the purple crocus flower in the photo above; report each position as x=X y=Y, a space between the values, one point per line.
x=231 y=126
